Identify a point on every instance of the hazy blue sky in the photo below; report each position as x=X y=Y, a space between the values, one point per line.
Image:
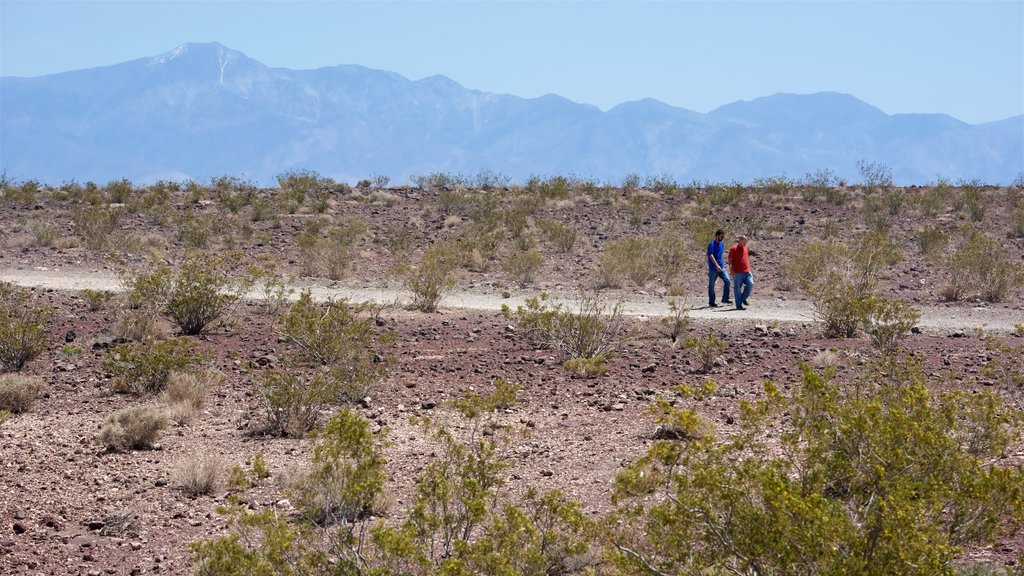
x=965 y=59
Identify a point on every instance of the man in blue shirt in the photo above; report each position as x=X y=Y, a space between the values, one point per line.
x=716 y=269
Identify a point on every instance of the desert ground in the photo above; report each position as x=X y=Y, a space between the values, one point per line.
x=69 y=505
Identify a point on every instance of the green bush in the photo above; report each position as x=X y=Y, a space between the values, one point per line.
x=584 y=329
x=119 y=191
x=932 y=240
x=817 y=183
x=842 y=308
x=523 y=266
x=14 y=194
x=95 y=224
x=334 y=332
x=22 y=328
x=561 y=234
x=133 y=428
x=96 y=299
x=145 y=368
x=707 y=349
x=981 y=267
x=197 y=296
x=628 y=258
x=875 y=477
x=434 y=276
x=889 y=322
x=18 y=392
x=292 y=404
x=593 y=367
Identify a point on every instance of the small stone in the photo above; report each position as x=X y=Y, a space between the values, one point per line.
x=19 y=528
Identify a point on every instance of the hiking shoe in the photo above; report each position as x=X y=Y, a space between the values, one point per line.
x=726 y=301
x=741 y=307
x=712 y=305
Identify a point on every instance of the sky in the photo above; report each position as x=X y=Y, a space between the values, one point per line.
x=965 y=59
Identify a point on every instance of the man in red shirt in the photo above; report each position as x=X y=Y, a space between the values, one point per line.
x=739 y=266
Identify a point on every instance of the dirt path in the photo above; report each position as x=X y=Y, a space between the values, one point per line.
x=488 y=298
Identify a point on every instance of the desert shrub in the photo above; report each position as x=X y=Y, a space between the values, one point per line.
x=1017 y=221
x=668 y=254
x=334 y=332
x=44 y=234
x=969 y=199
x=817 y=183
x=185 y=393
x=880 y=476
x=593 y=367
x=889 y=322
x=96 y=299
x=14 y=194
x=932 y=201
x=638 y=209
x=195 y=229
x=932 y=240
x=628 y=258
x=22 y=328
x=347 y=475
x=1005 y=368
x=139 y=324
x=199 y=476
x=18 y=392
x=523 y=266
x=232 y=192
x=145 y=368
x=119 y=191
x=875 y=174
x=197 y=295
x=561 y=234
x=842 y=307
x=329 y=249
x=296 y=185
x=702 y=230
x=270 y=287
x=95 y=224
x=805 y=266
x=707 y=349
x=981 y=267
x=133 y=428
x=678 y=320
x=291 y=403
x=457 y=523
x=584 y=329
x=434 y=276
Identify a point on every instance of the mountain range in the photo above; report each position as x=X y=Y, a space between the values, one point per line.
x=204 y=110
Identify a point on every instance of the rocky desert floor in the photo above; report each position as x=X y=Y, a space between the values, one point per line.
x=69 y=506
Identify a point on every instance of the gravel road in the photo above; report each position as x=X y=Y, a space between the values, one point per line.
x=953 y=317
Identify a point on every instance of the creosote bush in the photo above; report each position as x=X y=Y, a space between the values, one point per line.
x=335 y=332
x=876 y=476
x=292 y=404
x=583 y=329
x=889 y=322
x=707 y=349
x=22 y=328
x=434 y=276
x=980 y=267
x=133 y=428
x=146 y=367
x=197 y=295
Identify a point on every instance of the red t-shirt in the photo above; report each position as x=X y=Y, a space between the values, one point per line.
x=738 y=259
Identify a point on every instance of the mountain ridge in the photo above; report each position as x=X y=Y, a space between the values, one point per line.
x=202 y=110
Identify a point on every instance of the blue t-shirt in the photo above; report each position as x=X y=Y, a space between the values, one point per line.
x=716 y=250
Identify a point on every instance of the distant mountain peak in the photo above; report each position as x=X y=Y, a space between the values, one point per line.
x=199 y=51
x=202 y=110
